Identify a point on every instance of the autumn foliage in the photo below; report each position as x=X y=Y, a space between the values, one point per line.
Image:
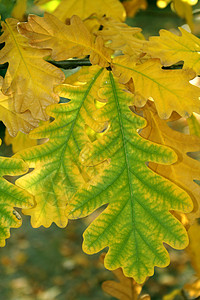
x=107 y=140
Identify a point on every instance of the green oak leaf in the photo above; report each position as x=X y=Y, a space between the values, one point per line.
x=137 y=219
x=11 y=196
x=57 y=171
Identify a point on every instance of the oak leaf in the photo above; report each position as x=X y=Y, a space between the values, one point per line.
x=19 y=142
x=110 y=8
x=170 y=89
x=137 y=220
x=14 y=122
x=194 y=125
x=66 y=41
x=11 y=196
x=29 y=79
x=132 y=6
x=185 y=170
x=125 y=289
x=121 y=37
x=57 y=171
x=172 y=48
x=19 y=10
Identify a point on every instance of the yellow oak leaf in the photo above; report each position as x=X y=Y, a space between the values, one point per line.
x=19 y=142
x=19 y=10
x=170 y=89
x=66 y=41
x=14 y=121
x=29 y=79
x=171 y=48
x=194 y=125
x=121 y=37
x=132 y=6
x=185 y=170
x=110 y=8
x=125 y=288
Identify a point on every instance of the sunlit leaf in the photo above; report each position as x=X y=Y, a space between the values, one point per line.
x=137 y=220
x=172 y=48
x=110 y=8
x=66 y=41
x=57 y=171
x=29 y=79
x=14 y=122
x=170 y=89
x=185 y=170
x=19 y=142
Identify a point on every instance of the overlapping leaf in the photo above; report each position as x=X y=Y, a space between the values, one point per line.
x=123 y=289
x=170 y=89
x=110 y=8
x=194 y=125
x=19 y=9
x=14 y=121
x=19 y=142
x=132 y=6
x=29 y=79
x=172 y=48
x=121 y=37
x=137 y=220
x=185 y=170
x=66 y=41
x=11 y=196
x=58 y=172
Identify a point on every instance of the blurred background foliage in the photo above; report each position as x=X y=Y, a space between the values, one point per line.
x=48 y=264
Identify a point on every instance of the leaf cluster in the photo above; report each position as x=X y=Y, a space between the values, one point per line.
x=109 y=145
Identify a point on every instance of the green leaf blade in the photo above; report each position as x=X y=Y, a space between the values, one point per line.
x=137 y=220
x=57 y=171
x=11 y=196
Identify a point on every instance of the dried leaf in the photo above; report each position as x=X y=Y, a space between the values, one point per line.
x=185 y=170
x=121 y=37
x=29 y=79
x=110 y=8
x=132 y=6
x=172 y=48
x=125 y=288
x=170 y=89
x=14 y=122
x=66 y=41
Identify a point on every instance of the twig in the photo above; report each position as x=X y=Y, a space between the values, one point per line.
x=71 y=63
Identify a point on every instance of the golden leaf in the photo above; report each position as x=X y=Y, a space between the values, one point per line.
x=19 y=10
x=29 y=79
x=170 y=89
x=132 y=6
x=185 y=170
x=171 y=48
x=66 y=41
x=121 y=36
x=110 y=8
x=125 y=288
x=14 y=121
x=19 y=142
